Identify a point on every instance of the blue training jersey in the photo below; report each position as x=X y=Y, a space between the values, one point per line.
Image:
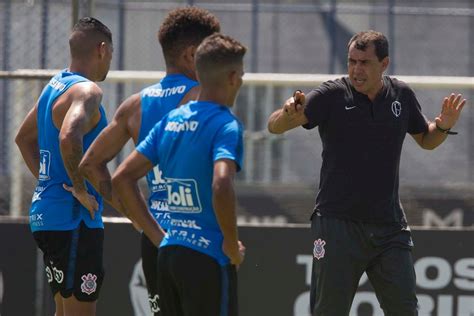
x=52 y=207
x=186 y=143
x=157 y=101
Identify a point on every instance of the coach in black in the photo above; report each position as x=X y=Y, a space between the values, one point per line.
x=358 y=223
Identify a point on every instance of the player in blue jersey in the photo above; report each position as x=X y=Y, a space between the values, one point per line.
x=199 y=148
x=180 y=33
x=65 y=214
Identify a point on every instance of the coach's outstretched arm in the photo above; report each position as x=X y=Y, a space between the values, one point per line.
x=439 y=129
x=125 y=181
x=291 y=115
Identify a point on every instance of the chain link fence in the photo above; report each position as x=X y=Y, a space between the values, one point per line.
x=427 y=37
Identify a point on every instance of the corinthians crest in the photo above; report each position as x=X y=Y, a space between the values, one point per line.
x=396 y=108
x=89 y=284
x=318 y=250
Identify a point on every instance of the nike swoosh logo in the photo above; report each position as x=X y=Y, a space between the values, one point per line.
x=350 y=107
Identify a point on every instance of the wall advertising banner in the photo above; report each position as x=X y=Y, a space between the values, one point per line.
x=274 y=279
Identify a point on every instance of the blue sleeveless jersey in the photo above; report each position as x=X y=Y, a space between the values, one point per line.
x=54 y=208
x=157 y=101
x=186 y=143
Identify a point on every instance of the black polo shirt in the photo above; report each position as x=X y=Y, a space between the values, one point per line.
x=362 y=142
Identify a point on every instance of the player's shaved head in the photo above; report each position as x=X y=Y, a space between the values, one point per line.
x=86 y=34
x=217 y=55
x=184 y=27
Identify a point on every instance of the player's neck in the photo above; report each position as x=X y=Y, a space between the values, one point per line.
x=174 y=70
x=82 y=68
x=215 y=95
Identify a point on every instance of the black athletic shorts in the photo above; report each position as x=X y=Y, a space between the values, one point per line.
x=73 y=261
x=343 y=250
x=191 y=283
x=150 y=269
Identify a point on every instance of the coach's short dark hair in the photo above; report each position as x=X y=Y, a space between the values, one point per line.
x=184 y=27
x=363 y=39
x=86 y=32
x=218 y=52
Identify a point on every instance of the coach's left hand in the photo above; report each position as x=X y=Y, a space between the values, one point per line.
x=450 y=111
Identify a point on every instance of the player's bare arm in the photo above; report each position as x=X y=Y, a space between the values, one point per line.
x=125 y=182
x=81 y=117
x=223 y=201
x=27 y=141
x=107 y=145
x=439 y=129
x=291 y=115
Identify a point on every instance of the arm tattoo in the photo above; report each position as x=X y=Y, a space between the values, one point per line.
x=105 y=189
x=71 y=162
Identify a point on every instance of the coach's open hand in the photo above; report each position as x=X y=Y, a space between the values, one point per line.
x=450 y=111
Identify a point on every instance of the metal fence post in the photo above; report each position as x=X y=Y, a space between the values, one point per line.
x=5 y=66
x=471 y=97
x=74 y=12
x=120 y=59
x=333 y=36
x=249 y=166
x=44 y=34
x=285 y=163
x=91 y=7
x=391 y=35
x=16 y=161
x=254 y=40
x=276 y=39
x=268 y=141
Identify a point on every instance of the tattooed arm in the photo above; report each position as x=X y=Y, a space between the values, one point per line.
x=81 y=117
x=125 y=181
x=107 y=145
